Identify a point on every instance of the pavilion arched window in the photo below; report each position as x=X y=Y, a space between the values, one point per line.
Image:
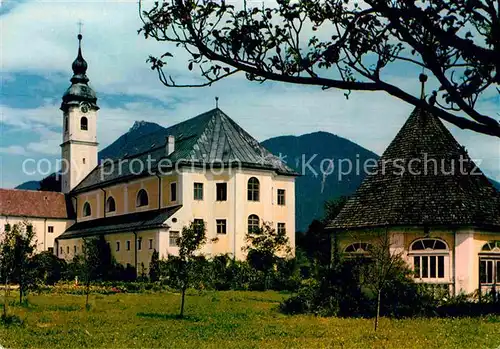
x=361 y=249
x=431 y=259
x=489 y=264
x=491 y=247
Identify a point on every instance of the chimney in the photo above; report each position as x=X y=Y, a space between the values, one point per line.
x=170 y=145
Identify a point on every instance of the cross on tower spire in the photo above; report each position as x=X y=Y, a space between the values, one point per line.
x=80 y=25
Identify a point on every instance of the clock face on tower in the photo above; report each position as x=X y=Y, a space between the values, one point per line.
x=84 y=108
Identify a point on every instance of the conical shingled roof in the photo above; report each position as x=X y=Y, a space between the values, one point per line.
x=440 y=195
x=209 y=138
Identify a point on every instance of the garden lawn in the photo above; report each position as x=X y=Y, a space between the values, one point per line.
x=222 y=320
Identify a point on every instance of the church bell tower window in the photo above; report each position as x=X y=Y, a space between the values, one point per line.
x=84 y=123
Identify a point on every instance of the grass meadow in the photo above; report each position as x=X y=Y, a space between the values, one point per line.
x=222 y=320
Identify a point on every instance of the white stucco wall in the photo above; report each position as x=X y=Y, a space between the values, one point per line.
x=44 y=239
x=461 y=261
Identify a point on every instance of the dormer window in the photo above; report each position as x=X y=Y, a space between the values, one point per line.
x=142 y=198
x=86 y=210
x=110 y=205
x=84 y=123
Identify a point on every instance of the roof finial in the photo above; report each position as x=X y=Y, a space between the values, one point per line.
x=80 y=25
x=79 y=64
x=423 y=78
x=217 y=102
x=79 y=36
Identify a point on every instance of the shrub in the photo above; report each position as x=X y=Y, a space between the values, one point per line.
x=224 y=273
x=467 y=305
x=304 y=301
x=336 y=293
x=287 y=276
x=405 y=298
x=115 y=272
x=10 y=320
x=341 y=291
x=48 y=268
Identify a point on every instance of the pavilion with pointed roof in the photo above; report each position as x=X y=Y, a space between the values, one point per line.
x=439 y=209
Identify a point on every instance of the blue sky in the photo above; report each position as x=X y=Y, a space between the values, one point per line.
x=39 y=44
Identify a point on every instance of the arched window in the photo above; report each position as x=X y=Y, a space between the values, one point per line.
x=253 y=223
x=358 y=249
x=86 y=210
x=142 y=198
x=428 y=245
x=253 y=189
x=110 y=205
x=489 y=264
x=84 y=123
x=491 y=247
x=430 y=259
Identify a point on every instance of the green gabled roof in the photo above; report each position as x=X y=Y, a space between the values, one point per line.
x=209 y=138
x=433 y=198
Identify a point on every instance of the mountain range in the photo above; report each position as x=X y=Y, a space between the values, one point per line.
x=321 y=158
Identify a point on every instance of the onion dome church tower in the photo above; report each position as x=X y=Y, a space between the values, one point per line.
x=79 y=147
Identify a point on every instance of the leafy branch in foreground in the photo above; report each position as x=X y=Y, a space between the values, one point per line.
x=342 y=44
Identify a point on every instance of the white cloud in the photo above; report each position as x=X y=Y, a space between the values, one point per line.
x=117 y=55
x=30 y=119
x=115 y=52
x=48 y=143
x=13 y=149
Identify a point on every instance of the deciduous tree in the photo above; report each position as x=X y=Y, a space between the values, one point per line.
x=24 y=249
x=342 y=44
x=95 y=262
x=264 y=246
x=192 y=238
x=154 y=266
x=320 y=245
x=383 y=265
x=17 y=247
x=7 y=262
